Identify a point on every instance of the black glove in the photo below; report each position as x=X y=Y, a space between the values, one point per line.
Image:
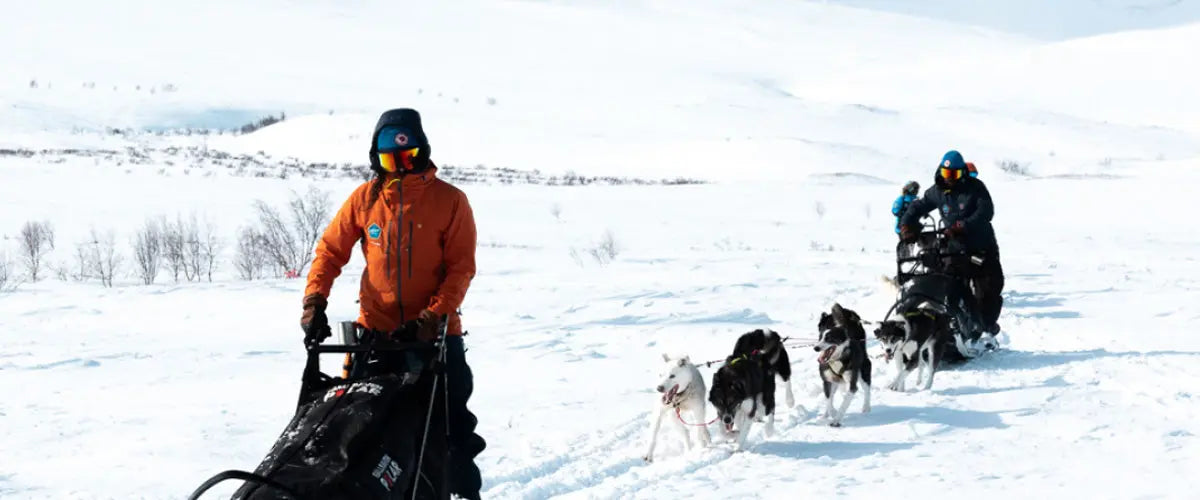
x=908 y=234
x=314 y=322
x=428 y=325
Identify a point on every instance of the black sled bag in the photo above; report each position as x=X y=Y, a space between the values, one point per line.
x=358 y=439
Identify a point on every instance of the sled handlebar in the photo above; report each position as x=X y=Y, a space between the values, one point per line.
x=380 y=346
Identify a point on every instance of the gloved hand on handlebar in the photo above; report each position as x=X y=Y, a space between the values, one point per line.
x=427 y=326
x=313 y=321
x=908 y=234
x=956 y=230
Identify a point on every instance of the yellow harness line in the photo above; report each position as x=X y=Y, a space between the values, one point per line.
x=737 y=359
x=927 y=314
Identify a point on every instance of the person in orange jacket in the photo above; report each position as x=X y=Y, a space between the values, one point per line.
x=417 y=235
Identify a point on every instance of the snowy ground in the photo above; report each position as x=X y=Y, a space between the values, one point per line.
x=144 y=391
x=806 y=117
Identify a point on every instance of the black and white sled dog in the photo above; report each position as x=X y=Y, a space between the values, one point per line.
x=915 y=340
x=682 y=388
x=743 y=389
x=843 y=362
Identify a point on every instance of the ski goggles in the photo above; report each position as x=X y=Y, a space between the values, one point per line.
x=952 y=173
x=388 y=160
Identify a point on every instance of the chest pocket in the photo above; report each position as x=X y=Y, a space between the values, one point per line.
x=956 y=207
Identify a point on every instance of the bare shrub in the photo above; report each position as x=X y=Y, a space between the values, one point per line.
x=556 y=211
x=174 y=245
x=8 y=281
x=819 y=207
x=250 y=259
x=1014 y=167
x=576 y=256
x=605 y=250
x=107 y=260
x=62 y=271
x=210 y=247
x=37 y=240
x=193 y=250
x=289 y=244
x=310 y=215
x=98 y=257
x=83 y=262
x=148 y=250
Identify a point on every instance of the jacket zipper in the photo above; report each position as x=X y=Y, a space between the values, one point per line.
x=410 y=247
x=399 y=253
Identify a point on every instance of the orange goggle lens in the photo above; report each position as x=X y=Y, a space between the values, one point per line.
x=404 y=158
x=951 y=173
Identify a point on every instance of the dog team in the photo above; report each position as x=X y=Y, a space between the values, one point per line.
x=743 y=387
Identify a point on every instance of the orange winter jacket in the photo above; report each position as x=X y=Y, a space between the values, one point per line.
x=418 y=241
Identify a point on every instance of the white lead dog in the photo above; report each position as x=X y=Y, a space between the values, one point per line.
x=683 y=402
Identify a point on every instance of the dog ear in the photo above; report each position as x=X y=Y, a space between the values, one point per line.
x=839 y=314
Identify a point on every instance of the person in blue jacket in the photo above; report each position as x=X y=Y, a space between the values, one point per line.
x=907 y=196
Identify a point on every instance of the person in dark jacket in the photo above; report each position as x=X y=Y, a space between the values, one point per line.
x=966 y=210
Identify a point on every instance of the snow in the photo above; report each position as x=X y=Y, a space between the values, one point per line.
x=806 y=117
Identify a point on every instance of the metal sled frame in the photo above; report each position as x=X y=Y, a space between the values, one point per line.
x=314 y=379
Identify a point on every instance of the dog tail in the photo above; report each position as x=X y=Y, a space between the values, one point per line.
x=889 y=283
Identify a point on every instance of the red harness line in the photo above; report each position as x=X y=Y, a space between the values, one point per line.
x=684 y=422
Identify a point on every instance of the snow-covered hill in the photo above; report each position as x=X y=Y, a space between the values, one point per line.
x=783 y=88
x=803 y=117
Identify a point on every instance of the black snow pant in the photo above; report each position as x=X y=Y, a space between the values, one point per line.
x=465 y=444
x=987 y=283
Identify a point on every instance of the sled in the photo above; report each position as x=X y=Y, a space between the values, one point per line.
x=378 y=431
x=927 y=270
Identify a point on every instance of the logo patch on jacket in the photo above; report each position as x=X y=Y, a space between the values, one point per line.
x=374 y=231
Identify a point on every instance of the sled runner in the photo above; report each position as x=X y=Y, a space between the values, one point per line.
x=379 y=431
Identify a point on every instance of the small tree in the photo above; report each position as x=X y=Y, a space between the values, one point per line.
x=250 y=258
x=289 y=245
x=310 y=215
x=210 y=247
x=174 y=245
x=37 y=240
x=193 y=250
x=104 y=261
x=110 y=260
x=275 y=239
x=83 y=261
x=8 y=282
x=147 y=250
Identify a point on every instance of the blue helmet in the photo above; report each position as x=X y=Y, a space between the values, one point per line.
x=953 y=160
